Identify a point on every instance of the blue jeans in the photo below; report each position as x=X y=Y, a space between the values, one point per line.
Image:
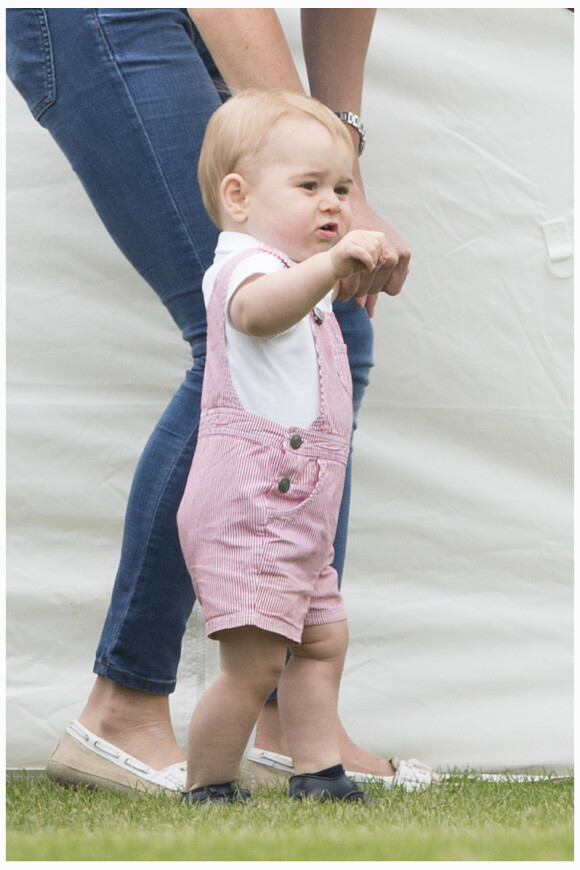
x=126 y=94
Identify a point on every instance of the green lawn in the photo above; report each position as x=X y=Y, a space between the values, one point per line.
x=460 y=820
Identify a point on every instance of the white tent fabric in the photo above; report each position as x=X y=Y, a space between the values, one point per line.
x=459 y=574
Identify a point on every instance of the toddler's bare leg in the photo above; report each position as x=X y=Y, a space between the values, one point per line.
x=308 y=697
x=251 y=662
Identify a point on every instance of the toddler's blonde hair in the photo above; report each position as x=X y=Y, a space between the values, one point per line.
x=238 y=130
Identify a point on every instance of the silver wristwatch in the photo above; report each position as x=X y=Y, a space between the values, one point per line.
x=355 y=121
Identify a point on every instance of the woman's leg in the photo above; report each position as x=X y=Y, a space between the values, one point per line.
x=127 y=96
x=251 y=662
x=357 y=332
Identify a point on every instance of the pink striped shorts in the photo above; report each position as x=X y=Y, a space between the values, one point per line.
x=260 y=508
x=268 y=520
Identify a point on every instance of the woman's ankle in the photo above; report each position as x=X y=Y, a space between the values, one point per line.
x=360 y=760
x=136 y=722
x=269 y=734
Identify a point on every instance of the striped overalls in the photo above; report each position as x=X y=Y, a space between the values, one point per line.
x=259 y=512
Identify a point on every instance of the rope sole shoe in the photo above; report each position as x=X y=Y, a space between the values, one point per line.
x=261 y=766
x=224 y=793
x=83 y=758
x=311 y=785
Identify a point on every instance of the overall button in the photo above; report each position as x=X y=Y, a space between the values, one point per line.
x=295 y=442
x=284 y=485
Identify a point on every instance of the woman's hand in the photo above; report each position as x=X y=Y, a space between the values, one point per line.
x=390 y=276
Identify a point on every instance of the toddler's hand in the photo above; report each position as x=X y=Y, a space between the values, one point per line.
x=358 y=251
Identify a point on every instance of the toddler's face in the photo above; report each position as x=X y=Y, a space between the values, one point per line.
x=297 y=198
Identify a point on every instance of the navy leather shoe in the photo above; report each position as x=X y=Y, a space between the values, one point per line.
x=225 y=793
x=340 y=787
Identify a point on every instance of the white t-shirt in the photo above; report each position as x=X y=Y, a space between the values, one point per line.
x=277 y=377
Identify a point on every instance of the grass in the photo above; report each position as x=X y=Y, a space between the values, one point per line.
x=460 y=820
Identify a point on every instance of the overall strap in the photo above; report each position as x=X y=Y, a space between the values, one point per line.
x=218 y=387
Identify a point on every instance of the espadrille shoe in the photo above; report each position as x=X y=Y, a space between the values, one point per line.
x=82 y=758
x=261 y=766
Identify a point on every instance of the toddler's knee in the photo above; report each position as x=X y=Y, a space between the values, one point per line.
x=323 y=642
x=267 y=677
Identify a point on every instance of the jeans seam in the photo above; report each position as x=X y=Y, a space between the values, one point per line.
x=46 y=43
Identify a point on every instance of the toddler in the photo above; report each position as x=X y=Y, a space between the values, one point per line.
x=260 y=509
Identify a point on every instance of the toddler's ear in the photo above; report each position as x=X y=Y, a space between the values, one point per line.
x=233 y=193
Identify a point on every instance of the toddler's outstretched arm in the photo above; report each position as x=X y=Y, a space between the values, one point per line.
x=266 y=305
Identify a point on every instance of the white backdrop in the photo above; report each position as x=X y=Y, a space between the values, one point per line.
x=459 y=574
